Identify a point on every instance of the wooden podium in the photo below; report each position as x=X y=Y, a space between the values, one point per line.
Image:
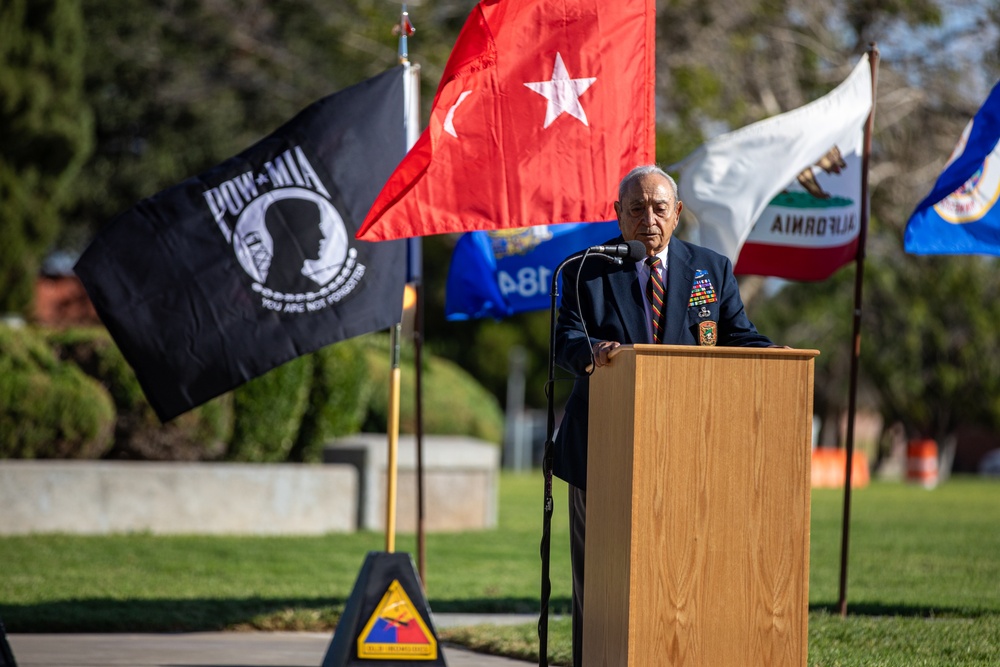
x=697 y=548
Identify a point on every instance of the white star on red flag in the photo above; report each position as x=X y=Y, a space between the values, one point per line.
x=563 y=93
x=488 y=155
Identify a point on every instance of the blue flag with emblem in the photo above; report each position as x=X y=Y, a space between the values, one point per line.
x=500 y=273
x=960 y=215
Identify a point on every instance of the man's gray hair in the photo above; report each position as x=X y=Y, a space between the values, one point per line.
x=641 y=171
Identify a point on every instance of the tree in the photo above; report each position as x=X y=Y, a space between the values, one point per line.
x=729 y=64
x=817 y=316
x=933 y=327
x=45 y=131
x=179 y=87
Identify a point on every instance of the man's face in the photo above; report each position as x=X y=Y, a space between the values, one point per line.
x=648 y=212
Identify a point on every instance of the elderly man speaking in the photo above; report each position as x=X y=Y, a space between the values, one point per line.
x=681 y=294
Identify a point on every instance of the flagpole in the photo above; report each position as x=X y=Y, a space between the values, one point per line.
x=418 y=336
x=393 y=434
x=873 y=56
x=411 y=93
x=404 y=29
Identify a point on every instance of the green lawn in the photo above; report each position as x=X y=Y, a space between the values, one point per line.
x=142 y=582
x=923 y=590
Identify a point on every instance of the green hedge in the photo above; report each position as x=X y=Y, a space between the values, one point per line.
x=201 y=434
x=454 y=403
x=71 y=394
x=48 y=409
x=292 y=411
x=338 y=398
x=288 y=413
x=268 y=412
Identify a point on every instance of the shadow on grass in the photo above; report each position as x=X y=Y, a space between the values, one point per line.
x=509 y=605
x=181 y=615
x=214 y=614
x=875 y=609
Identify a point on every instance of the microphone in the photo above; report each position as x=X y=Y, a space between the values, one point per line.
x=633 y=251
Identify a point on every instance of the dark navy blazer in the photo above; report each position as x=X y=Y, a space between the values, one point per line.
x=610 y=302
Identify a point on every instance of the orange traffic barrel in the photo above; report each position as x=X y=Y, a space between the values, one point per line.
x=922 y=463
x=829 y=468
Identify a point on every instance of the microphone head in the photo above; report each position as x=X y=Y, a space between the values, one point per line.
x=636 y=250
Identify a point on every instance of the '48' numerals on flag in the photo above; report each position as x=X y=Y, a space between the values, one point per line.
x=531 y=281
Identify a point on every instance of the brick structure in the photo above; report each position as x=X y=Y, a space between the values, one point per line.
x=61 y=301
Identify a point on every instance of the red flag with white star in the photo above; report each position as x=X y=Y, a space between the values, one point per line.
x=542 y=108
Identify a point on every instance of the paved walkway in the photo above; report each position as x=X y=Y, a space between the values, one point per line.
x=221 y=649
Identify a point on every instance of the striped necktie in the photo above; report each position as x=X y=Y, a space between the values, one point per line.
x=654 y=292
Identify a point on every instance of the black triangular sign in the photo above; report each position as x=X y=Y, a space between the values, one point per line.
x=6 y=655
x=387 y=619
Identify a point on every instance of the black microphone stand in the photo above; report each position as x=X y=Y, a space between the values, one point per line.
x=550 y=428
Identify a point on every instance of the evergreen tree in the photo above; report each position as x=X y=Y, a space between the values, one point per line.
x=180 y=87
x=45 y=132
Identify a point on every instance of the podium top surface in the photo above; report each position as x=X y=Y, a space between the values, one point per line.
x=708 y=351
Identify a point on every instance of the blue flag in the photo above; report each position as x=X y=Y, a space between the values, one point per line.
x=960 y=216
x=500 y=273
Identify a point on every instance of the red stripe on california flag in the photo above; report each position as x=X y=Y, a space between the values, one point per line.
x=793 y=262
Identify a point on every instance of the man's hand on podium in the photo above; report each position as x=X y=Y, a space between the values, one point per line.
x=602 y=352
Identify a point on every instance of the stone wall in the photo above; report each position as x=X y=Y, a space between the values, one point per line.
x=461 y=481
x=102 y=497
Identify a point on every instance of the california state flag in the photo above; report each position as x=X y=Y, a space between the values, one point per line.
x=782 y=197
x=543 y=106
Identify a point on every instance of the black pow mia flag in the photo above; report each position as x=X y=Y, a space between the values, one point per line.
x=229 y=274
